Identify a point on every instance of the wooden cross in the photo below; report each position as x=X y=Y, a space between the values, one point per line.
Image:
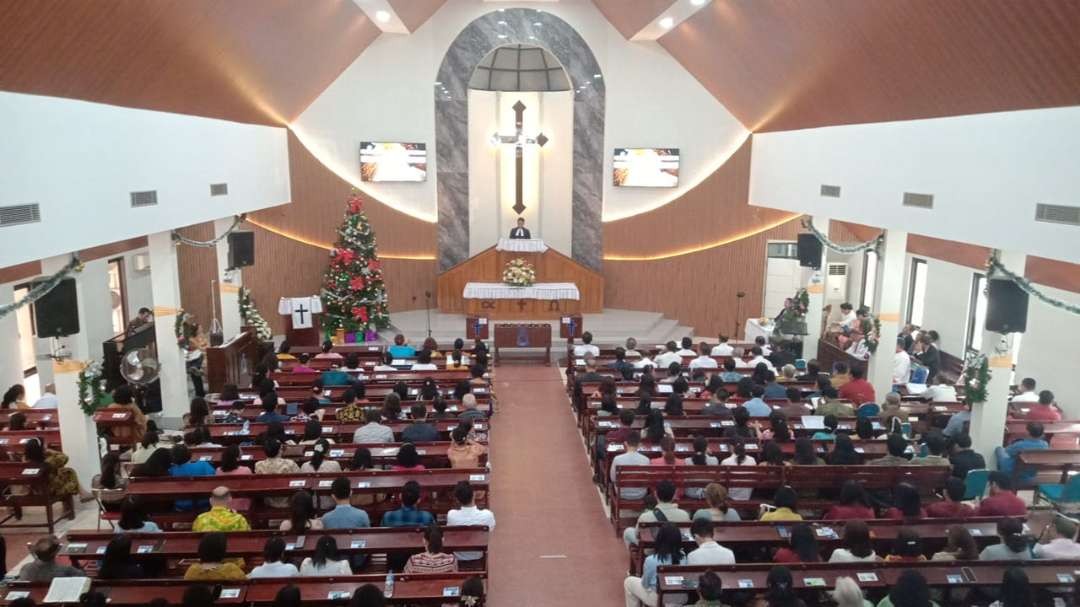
x=519 y=140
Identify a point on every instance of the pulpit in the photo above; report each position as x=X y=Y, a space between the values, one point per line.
x=301 y=320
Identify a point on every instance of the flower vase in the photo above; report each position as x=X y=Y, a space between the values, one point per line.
x=339 y=336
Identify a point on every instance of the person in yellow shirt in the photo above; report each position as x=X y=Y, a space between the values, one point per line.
x=212 y=565
x=785 y=503
x=220 y=517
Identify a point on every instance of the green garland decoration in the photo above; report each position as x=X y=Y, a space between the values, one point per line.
x=871 y=329
x=180 y=238
x=40 y=289
x=251 y=316
x=976 y=377
x=997 y=268
x=875 y=244
x=92 y=395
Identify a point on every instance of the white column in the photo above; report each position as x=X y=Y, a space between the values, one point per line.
x=10 y=354
x=816 y=290
x=165 y=284
x=888 y=295
x=95 y=308
x=228 y=285
x=987 y=427
x=78 y=432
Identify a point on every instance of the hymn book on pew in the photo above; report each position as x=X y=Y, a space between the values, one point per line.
x=67 y=589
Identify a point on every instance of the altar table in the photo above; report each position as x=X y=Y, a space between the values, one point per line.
x=541 y=300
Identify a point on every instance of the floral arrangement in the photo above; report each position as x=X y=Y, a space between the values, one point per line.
x=793 y=318
x=251 y=316
x=519 y=273
x=975 y=377
x=91 y=388
x=180 y=328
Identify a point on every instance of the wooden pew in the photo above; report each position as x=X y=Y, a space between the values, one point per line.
x=85 y=547
x=680 y=579
x=342 y=432
x=432 y=455
x=33 y=479
x=35 y=418
x=427 y=589
x=330 y=411
x=13 y=440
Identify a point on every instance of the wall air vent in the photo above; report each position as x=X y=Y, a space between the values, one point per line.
x=219 y=189
x=19 y=214
x=837 y=269
x=831 y=191
x=144 y=199
x=1057 y=213
x=921 y=201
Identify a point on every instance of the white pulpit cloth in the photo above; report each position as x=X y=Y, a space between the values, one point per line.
x=522 y=245
x=301 y=309
x=540 y=290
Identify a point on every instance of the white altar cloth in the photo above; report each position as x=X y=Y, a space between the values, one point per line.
x=521 y=245
x=540 y=290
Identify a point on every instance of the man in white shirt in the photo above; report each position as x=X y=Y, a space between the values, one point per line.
x=469 y=514
x=687 y=348
x=631 y=348
x=708 y=551
x=668 y=356
x=847 y=316
x=723 y=348
x=47 y=401
x=759 y=357
x=1027 y=392
x=704 y=359
x=901 y=365
x=1062 y=544
x=373 y=431
x=586 y=347
x=423 y=362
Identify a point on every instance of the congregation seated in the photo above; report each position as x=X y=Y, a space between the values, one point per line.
x=1006 y=456
x=44 y=566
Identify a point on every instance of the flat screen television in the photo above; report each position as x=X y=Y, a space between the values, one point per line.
x=646 y=168
x=383 y=161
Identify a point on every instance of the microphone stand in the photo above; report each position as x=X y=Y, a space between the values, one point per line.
x=427 y=309
x=738 y=313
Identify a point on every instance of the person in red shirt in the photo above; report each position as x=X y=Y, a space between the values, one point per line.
x=952 y=506
x=1045 y=410
x=858 y=390
x=907 y=504
x=1002 y=501
x=619 y=435
x=853 y=504
x=802 y=548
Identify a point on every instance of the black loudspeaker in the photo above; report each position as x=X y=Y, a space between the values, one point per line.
x=1006 y=307
x=241 y=249
x=56 y=314
x=809 y=251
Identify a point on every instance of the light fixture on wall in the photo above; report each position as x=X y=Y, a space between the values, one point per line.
x=667 y=22
x=698 y=2
x=382 y=16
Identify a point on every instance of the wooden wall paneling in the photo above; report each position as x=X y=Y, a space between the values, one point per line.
x=1053 y=273
x=697 y=289
x=960 y=253
x=792 y=65
x=20 y=272
x=259 y=61
x=112 y=249
x=197 y=266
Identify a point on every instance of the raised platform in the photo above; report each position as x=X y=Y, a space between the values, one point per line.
x=608 y=327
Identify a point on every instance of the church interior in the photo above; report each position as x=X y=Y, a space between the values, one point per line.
x=707 y=302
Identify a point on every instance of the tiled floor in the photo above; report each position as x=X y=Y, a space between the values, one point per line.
x=552 y=544
x=18 y=538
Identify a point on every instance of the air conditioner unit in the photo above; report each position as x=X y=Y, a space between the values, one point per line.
x=141 y=262
x=836 y=283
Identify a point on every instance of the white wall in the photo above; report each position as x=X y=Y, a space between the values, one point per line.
x=483 y=170
x=80 y=161
x=986 y=173
x=1049 y=351
x=387 y=94
x=948 y=292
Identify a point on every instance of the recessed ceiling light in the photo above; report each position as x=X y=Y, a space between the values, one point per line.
x=502 y=23
x=667 y=22
x=382 y=16
x=698 y=2
x=502 y=36
x=537 y=24
x=437 y=83
x=596 y=76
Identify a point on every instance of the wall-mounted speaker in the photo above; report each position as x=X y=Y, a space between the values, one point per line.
x=56 y=314
x=1006 y=307
x=809 y=251
x=241 y=249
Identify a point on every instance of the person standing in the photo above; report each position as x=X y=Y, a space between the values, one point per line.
x=520 y=232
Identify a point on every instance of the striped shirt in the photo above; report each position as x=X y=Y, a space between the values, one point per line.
x=427 y=562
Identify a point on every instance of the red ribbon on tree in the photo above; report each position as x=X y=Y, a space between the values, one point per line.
x=357 y=283
x=355 y=204
x=345 y=256
x=360 y=313
x=374 y=265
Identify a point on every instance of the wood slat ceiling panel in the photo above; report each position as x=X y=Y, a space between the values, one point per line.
x=792 y=64
x=414 y=13
x=258 y=61
x=630 y=17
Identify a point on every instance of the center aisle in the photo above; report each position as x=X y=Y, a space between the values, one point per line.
x=552 y=544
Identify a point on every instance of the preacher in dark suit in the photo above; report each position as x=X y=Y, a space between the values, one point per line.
x=520 y=231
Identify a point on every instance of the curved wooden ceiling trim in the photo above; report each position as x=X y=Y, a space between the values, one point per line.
x=257 y=61
x=713 y=213
x=793 y=65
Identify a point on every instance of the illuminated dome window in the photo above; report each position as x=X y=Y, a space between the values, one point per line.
x=518 y=67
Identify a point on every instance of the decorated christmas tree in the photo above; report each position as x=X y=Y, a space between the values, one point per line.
x=353 y=294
